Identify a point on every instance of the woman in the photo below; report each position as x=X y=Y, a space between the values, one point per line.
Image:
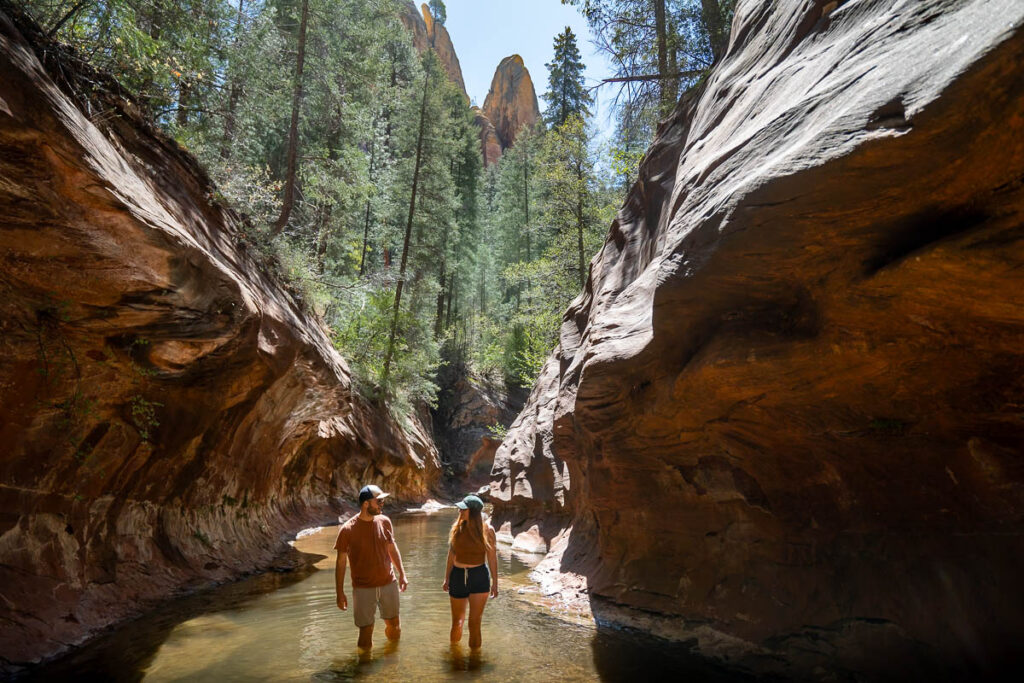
x=467 y=580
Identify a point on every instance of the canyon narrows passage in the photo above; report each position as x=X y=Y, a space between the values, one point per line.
x=783 y=423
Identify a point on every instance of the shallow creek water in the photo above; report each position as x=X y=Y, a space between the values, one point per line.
x=287 y=627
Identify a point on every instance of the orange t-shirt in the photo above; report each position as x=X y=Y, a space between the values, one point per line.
x=366 y=544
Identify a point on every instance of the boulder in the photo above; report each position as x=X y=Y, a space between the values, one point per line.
x=784 y=419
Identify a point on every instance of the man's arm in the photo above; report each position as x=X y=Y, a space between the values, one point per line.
x=396 y=559
x=339 y=579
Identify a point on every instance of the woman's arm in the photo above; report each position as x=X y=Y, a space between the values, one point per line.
x=448 y=569
x=492 y=560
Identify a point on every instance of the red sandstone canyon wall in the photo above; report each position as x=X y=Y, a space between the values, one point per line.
x=785 y=414
x=169 y=412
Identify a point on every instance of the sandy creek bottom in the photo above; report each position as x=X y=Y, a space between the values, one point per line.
x=286 y=627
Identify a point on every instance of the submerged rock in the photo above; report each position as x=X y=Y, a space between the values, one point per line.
x=784 y=416
x=169 y=413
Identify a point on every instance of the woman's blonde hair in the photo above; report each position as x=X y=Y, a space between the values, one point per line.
x=474 y=526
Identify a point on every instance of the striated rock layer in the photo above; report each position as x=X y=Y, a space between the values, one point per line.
x=168 y=413
x=786 y=412
x=511 y=103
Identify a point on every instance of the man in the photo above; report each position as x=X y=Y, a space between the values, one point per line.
x=367 y=542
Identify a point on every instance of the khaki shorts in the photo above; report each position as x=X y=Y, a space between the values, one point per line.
x=365 y=600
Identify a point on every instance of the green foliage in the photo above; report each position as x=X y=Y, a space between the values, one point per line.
x=143 y=413
x=659 y=49
x=201 y=536
x=438 y=11
x=492 y=256
x=566 y=94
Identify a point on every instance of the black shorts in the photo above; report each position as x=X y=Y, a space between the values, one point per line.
x=463 y=581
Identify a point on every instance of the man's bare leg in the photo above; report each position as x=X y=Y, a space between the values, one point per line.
x=393 y=628
x=365 y=637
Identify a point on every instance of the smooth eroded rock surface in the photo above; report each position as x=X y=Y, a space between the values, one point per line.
x=787 y=412
x=168 y=412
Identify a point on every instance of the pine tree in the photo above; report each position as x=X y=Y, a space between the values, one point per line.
x=293 y=130
x=438 y=11
x=566 y=94
x=658 y=47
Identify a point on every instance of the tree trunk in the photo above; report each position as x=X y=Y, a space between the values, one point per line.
x=579 y=227
x=408 y=232
x=451 y=295
x=439 y=314
x=366 y=221
x=293 y=130
x=718 y=33
x=669 y=87
x=184 y=93
x=324 y=218
x=235 y=92
x=526 y=212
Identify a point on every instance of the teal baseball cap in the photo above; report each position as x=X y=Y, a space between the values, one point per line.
x=470 y=502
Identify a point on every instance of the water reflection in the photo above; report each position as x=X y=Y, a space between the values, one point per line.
x=287 y=627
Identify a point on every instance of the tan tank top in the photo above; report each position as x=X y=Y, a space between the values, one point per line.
x=468 y=550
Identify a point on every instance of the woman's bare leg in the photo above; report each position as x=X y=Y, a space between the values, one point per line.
x=477 y=602
x=458 y=617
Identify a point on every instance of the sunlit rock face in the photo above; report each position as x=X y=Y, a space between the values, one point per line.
x=442 y=44
x=428 y=34
x=785 y=413
x=511 y=103
x=413 y=21
x=168 y=411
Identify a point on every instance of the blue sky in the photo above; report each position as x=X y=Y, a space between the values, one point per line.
x=486 y=31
